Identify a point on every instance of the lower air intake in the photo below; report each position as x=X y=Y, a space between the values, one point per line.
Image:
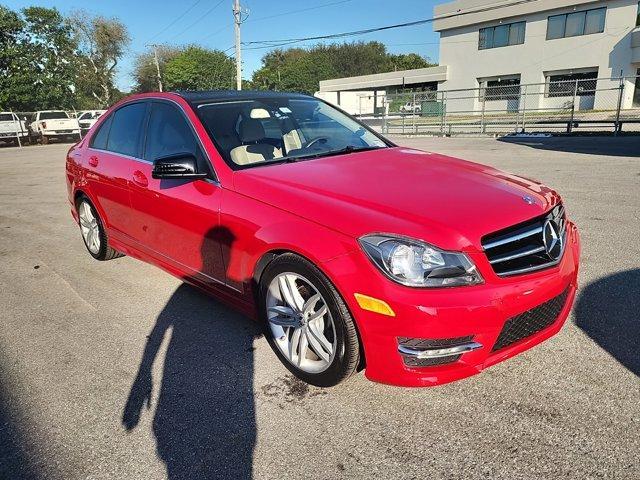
x=530 y=322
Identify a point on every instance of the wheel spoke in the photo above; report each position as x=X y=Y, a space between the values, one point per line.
x=287 y=286
x=310 y=304
x=317 y=347
x=302 y=349
x=319 y=337
x=96 y=239
x=319 y=314
x=87 y=211
x=293 y=343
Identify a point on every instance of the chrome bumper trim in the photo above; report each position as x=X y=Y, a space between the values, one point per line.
x=439 y=352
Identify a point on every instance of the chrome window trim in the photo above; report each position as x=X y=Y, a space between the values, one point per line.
x=142 y=160
x=148 y=100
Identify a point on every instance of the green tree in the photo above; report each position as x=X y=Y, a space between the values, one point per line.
x=144 y=69
x=101 y=43
x=50 y=53
x=37 y=60
x=302 y=69
x=197 y=68
x=11 y=28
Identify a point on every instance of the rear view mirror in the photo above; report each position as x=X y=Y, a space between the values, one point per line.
x=180 y=165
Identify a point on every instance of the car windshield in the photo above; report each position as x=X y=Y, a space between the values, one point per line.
x=89 y=116
x=53 y=115
x=6 y=117
x=255 y=132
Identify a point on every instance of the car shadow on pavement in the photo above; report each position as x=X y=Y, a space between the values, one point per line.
x=608 y=310
x=624 y=146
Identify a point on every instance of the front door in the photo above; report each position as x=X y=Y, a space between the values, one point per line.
x=177 y=221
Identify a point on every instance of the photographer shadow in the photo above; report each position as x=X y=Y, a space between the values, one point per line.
x=204 y=420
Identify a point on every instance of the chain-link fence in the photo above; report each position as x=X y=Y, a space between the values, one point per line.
x=593 y=104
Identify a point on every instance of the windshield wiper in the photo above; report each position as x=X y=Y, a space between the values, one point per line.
x=330 y=153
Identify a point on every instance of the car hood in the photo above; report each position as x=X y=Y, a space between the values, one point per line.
x=445 y=201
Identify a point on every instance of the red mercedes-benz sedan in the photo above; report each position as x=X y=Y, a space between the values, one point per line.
x=351 y=251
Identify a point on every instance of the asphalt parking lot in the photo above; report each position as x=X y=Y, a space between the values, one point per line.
x=116 y=370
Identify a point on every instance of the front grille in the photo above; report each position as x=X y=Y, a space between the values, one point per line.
x=530 y=322
x=522 y=248
x=430 y=343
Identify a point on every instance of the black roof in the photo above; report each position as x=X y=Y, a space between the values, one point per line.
x=222 y=95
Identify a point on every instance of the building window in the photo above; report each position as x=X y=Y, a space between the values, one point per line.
x=576 y=24
x=638 y=16
x=566 y=84
x=502 y=35
x=503 y=88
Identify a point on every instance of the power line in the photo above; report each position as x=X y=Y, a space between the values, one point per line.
x=227 y=27
x=289 y=41
x=292 y=12
x=176 y=20
x=202 y=17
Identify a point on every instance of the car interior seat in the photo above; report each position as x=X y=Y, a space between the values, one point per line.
x=254 y=148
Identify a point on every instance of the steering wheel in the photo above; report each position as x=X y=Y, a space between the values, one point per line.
x=313 y=141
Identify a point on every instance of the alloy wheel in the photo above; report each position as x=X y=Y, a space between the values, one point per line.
x=301 y=323
x=89 y=227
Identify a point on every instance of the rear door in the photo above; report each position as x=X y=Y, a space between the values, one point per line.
x=113 y=155
x=177 y=220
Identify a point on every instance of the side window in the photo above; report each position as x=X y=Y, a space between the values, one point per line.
x=168 y=133
x=99 y=139
x=126 y=129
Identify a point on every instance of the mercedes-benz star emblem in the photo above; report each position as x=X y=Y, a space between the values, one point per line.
x=551 y=239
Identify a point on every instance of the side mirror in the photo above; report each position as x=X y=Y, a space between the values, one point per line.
x=179 y=165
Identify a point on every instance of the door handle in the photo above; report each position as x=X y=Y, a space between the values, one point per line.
x=93 y=161
x=140 y=179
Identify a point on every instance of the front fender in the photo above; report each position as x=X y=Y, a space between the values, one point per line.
x=257 y=230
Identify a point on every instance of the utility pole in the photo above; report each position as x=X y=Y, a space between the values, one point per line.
x=237 y=20
x=155 y=58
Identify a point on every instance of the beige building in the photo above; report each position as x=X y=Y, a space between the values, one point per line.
x=546 y=42
x=503 y=45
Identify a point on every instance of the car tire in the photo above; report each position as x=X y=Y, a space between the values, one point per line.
x=337 y=325
x=96 y=241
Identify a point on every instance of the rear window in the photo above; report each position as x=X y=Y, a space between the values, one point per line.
x=99 y=140
x=126 y=129
x=53 y=115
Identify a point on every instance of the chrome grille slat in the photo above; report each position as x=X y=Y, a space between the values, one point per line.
x=520 y=236
x=517 y=255
x=520 y=249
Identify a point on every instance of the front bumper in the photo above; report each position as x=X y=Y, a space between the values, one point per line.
x=476 y=314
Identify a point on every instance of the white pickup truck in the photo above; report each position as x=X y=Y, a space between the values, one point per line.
x=50 y=124
x=88 y=118
x=11 y=127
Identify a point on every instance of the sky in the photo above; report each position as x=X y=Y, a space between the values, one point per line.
x=210 y=23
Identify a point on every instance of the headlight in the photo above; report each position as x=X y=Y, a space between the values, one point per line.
x=418 y=264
